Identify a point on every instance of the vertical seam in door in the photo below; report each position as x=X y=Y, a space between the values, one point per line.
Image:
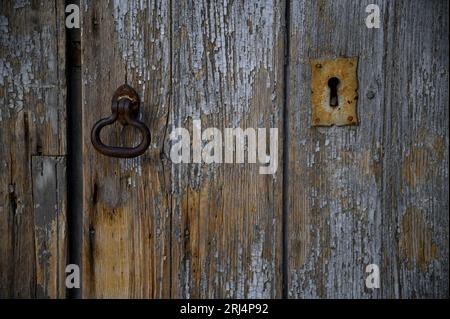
x=58 y=274
x=285 y=197
x=74 y=163
x=167 y=124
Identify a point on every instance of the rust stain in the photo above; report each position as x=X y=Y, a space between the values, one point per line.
x=414 y=167
x=40 y=109
x=416 y=245
x=345 y=69
x=438 y=146
x=422 y=160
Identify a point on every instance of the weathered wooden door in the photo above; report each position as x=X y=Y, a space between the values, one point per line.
x=155 y=229
x=341 y=198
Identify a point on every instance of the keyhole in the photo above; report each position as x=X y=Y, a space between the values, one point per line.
x=333 y=84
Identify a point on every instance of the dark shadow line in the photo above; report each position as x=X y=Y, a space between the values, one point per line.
x=285 y=195
x=74 y=150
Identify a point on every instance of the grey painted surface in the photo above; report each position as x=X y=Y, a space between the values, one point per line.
x=50 y=225
x=378 y=192
x=32 y=122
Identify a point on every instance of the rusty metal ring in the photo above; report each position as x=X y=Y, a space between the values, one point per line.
x=124 y=108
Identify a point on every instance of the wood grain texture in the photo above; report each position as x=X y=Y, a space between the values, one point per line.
x=126 y=231
x=32 y=122
x=372 y=193
x=376 y=193
x=227 y=62
x=153 y=229
x=50 y=225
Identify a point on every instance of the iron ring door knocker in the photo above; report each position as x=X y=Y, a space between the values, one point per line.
x=125 y=108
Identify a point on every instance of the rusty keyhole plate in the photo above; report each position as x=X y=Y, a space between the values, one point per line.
x=345 y=69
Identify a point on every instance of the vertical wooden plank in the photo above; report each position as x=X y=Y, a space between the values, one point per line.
x=415 y=253
x=376 y=193
x=50 y=225
x=334 y=184
x=126 y=231
x=32 y=121
x=227 y=218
